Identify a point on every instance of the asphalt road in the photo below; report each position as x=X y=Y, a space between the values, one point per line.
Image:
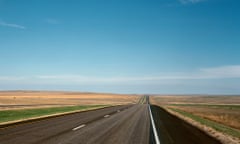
x=128 y=124
x=172 y=130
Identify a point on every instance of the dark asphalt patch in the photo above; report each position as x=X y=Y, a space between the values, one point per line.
x=172 y=130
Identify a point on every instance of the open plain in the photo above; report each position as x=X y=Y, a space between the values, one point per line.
x=40 y=99
x=122 y=124
x=218 y=112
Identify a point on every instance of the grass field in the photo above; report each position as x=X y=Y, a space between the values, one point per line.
x=221 y=113
x=19 y=105
x=191 y=99
x=217 y=126
x=13 y=115
x=39 y=99
x=225 y=114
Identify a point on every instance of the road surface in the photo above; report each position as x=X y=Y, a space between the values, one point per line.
x=172 y=130
x=127 y=124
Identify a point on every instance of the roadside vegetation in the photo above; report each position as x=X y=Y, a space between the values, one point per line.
x=217 y=126
x=10 y=100
x=220 y=113
x=228 y=107
x=14 y=115
x=225 y=114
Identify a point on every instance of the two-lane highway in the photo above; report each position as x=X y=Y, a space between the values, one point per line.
x=128 y=124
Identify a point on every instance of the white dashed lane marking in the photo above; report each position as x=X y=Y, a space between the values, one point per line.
x=81 y=126
x=107 y=116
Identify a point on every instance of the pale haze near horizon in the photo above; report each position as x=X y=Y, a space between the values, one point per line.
x=166 y=47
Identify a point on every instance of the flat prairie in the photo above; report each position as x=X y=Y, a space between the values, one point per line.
x=221 y=109
x=225 y=114
x=38 y=99
x=194 y=99
x=224 y=110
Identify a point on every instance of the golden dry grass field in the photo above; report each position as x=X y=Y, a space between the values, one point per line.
x=221 y=113
x=180 y=99
x=227 y=115
x=222 y=109
x=37 y=99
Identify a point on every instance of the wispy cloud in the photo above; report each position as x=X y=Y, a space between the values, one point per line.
x=12 y=78
x=222 y=72
x=232 y=71
x=12 y=25
x=190 y=1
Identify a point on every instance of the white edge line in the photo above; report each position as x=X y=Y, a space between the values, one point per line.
x=81 y=126
x=154 y=127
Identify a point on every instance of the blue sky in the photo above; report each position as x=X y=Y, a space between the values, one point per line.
x=121 y=46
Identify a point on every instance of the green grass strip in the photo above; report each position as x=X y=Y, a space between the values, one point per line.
x=217 y=126
x=230 y=107
x=13 y=115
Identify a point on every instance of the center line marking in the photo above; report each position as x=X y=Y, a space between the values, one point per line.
x=81 y=126
x=107 y=116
